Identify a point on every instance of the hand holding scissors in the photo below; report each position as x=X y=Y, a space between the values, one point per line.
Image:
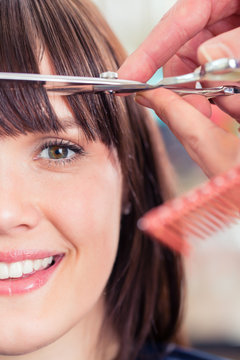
x=191 y=34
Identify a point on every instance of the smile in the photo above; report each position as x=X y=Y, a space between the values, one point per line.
x=27 y=274
x=20 y=268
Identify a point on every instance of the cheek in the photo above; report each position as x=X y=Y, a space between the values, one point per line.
x=84 y=209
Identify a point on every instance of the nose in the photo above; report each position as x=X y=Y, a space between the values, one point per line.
x=17 y=209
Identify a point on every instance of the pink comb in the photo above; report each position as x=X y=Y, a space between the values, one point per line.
x=200 y=213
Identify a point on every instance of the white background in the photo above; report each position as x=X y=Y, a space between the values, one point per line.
x=132 y=20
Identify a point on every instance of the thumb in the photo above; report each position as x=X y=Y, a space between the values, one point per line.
x=224 y=45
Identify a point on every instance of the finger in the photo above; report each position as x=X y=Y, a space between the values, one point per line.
x=200 y=103
x=186 y=59
x=223 y=9
x=224 y=25
x=172 y=32
x=166 y=38
x=224 y=45
x=211 y=147
x=230 y=105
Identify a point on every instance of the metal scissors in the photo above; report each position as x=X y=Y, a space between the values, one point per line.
x=224 y=69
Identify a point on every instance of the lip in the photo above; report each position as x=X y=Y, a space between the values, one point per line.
x=29 y=282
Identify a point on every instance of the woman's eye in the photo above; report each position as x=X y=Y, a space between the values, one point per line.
x=57 y=152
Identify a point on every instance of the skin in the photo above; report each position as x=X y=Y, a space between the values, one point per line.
x=210 y=32
x=73 y=209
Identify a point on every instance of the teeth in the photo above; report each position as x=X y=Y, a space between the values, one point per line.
x=37 y=264
x=17 y=269
x=4 y=272
x=27 y=267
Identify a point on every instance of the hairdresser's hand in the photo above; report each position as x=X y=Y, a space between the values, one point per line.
x=191 y=33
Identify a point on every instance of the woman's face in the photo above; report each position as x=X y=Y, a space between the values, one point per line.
x=60 y=196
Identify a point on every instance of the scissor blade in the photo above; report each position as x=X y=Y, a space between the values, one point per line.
x=64 y=79
x=123 y=89
x=69 y=89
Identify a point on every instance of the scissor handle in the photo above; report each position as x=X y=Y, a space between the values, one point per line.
x=224 y=69
x=207 y=92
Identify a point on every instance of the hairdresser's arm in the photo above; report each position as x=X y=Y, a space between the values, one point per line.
x=191 y=33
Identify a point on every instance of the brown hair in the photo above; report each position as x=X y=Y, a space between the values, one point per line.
x=143 y=294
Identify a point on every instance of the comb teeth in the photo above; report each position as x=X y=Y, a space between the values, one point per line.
x=199 y=213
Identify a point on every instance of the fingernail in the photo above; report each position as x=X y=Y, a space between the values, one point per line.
x=142 y=224
x=142 y=100
x=210 y=51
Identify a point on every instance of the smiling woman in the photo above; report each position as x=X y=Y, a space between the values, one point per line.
x=76 y=174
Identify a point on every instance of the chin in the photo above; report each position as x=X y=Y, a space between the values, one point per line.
x=15 y=349
x=23 y=343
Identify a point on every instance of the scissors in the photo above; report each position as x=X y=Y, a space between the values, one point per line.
x=224 y=69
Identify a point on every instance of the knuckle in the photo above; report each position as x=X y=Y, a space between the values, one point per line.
x=165 y=102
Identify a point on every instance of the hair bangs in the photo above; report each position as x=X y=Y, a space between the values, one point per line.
x=25 y=109
x=77 y=46
x=71 y=42
x=24 y=106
